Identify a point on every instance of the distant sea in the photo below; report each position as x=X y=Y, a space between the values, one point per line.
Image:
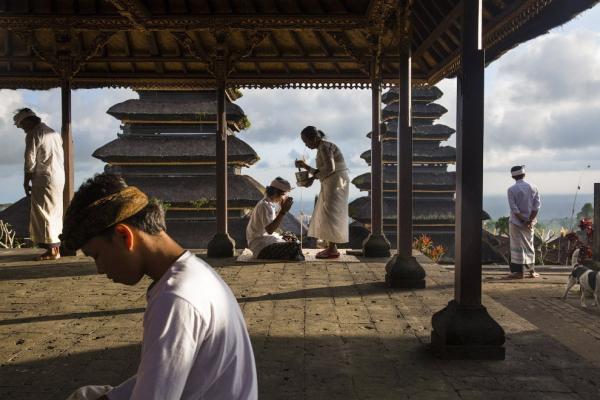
x=553 y=205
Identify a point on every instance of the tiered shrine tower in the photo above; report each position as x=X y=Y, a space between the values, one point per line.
x=167 y=148
x=433 y=184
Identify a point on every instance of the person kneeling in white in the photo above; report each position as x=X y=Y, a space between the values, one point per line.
x=266 y=217
x=195 y=344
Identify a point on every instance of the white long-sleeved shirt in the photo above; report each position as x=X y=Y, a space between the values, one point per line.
x=43 y=151
x=195 y=343
x=257 y=236
x=523 y=198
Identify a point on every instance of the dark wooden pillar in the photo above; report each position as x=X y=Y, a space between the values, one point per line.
x=67 y=139
x=596 y=243
x=464 y=329
x=403 y=271
x=376 y=245
x=221 y=245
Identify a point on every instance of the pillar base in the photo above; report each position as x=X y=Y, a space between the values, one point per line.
x=461 y=332
x=221 y=246
x=376 y=246
x=405 y=272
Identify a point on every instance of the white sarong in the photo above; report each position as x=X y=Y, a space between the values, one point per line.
x=329 y=221
x=46 y=216
x=521 y=244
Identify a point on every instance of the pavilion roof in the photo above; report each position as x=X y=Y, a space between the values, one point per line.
x=426 y=210
x=175 y=44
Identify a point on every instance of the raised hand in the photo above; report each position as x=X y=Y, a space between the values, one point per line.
x=287 y=204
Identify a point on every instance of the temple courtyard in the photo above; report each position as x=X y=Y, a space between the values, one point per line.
x=320 y=330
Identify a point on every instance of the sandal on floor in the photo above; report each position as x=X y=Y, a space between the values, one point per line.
x=514 y=275
x=533 y=275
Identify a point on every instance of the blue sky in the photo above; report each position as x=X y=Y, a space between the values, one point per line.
x=542 y=110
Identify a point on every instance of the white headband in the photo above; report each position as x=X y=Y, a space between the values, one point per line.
x=21 y=116
x=518 y=172
x=282 y=185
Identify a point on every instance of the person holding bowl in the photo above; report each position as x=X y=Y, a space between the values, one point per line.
x=329 y=221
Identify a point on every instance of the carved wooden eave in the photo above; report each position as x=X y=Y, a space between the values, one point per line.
x=170 y=44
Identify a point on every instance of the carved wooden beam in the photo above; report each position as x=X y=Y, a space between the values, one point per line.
x=134 y=10
x=188 y=22
x=442 y=27
x=362 y=59
x=256 y=38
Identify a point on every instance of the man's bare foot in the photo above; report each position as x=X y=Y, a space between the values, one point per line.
x=50 y=254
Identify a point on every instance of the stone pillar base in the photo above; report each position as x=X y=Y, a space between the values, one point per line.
x=221 y=246
x=376 y=246
x=461 y=332
x=405 y=272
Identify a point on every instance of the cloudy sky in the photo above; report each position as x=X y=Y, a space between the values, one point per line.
x=542 y=110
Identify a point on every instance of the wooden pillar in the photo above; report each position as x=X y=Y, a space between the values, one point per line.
x=596 y=243
x=221 y=245
x=464 y=329
x=376 y=245
x=404 y=144
x=403 y=271
x=67 y=139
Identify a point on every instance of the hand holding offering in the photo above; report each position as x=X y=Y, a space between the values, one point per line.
x=301 y=164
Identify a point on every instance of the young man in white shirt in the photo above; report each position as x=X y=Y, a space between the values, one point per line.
x=266 y=218
x=195 y=342
x=524 y=203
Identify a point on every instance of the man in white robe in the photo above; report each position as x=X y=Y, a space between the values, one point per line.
x=524 y=203
x=44 y=181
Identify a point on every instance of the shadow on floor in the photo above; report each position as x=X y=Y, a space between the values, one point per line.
x=344 y=366
x=360 y=289
x=79 y=315
x=40 y=271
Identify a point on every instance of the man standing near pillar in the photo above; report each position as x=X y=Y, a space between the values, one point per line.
x=524 y=202
x=43 y=182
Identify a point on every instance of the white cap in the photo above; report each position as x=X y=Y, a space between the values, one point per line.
x=22 y=115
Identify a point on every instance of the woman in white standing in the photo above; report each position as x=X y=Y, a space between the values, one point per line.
x=329 y=221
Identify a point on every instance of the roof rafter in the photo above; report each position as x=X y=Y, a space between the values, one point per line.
x=362 y=59
x=442 y=27
x=134 y=10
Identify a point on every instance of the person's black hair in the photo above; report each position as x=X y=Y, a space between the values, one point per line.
x=32 y=118
x=151 y=219
x=271 y=191
x=311 y=132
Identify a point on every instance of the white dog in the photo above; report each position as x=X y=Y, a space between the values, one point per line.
x=587 y=280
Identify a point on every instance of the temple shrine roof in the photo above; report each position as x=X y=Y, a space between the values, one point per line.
x=431 y=111
x=435 y=132
x=422 y=181
x=192 y=148
x=423 y=152
x=425 y=210
x=421 y=94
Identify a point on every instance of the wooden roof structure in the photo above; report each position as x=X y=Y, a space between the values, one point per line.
x=180 y=44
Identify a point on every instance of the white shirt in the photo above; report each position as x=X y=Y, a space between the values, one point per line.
x=195 y=343
x=44 y=151
x=257 y=236
x=523 y=198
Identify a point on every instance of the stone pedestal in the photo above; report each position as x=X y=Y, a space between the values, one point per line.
x=376 y=246
x=404 y=272
x=466 y=332
x=221 y=246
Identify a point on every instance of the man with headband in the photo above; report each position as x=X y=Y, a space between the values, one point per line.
x=266 y=218
x=195 y=342
x=524 y=202
x=44 y=181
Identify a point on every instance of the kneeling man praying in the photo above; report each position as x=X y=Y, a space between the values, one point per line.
x=266 y=218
